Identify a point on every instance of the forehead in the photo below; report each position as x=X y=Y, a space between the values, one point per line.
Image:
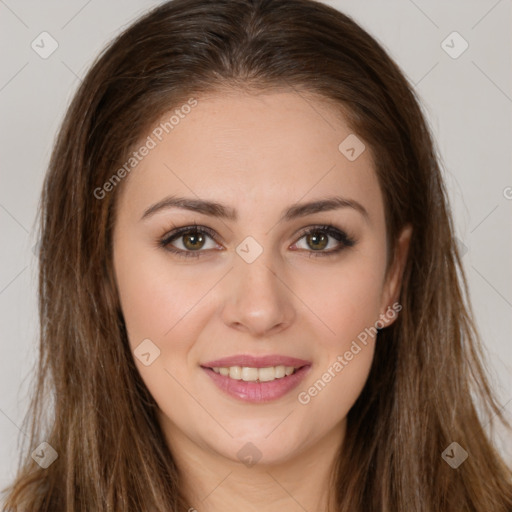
x=253 y=150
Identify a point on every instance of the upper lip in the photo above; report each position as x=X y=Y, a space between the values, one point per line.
x=256 y=361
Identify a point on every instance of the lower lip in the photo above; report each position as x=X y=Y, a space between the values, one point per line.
x=257 y=392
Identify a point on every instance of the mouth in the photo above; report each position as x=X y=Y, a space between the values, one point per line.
x=257 y=379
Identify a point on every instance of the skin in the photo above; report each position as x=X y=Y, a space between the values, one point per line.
x=258 y=155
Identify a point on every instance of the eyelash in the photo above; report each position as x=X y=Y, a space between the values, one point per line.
x=339 y=235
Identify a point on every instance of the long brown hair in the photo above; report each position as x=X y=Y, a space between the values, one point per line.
x=427 y=382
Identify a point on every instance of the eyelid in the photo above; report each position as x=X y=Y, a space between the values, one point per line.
x=194 y=227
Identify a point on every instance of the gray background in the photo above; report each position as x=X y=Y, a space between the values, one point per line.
x=468 y=102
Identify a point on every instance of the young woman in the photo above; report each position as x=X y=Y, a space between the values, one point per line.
x=250 y=293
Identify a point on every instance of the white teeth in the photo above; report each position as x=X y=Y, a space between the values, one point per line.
x=235 y=372
x=280 y=372
x=266 y=374
x=249 y=374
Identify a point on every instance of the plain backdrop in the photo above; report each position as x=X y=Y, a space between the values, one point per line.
x=467 y=99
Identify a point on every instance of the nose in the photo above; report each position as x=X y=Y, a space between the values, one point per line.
x=258 y=300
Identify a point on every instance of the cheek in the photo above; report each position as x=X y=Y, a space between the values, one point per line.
x=157 y=298
x=334 y=389
x=348 y=306
x=162 y=303
x=345 y=299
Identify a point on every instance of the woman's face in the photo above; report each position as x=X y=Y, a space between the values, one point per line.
x=255 y=287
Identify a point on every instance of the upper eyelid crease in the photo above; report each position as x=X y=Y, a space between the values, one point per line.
x=215 y=209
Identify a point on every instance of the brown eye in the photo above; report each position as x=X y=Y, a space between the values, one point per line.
x=193 y=241
x=189 y=241
x=317 y=240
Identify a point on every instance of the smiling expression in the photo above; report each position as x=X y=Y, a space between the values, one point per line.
x=247 y=234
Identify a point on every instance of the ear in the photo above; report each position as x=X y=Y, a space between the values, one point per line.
x=393 y=281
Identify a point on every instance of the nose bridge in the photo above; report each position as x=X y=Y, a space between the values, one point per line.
x=258 y=276
x=257 y=299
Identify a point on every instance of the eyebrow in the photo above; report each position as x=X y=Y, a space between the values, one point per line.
x=215 y=209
